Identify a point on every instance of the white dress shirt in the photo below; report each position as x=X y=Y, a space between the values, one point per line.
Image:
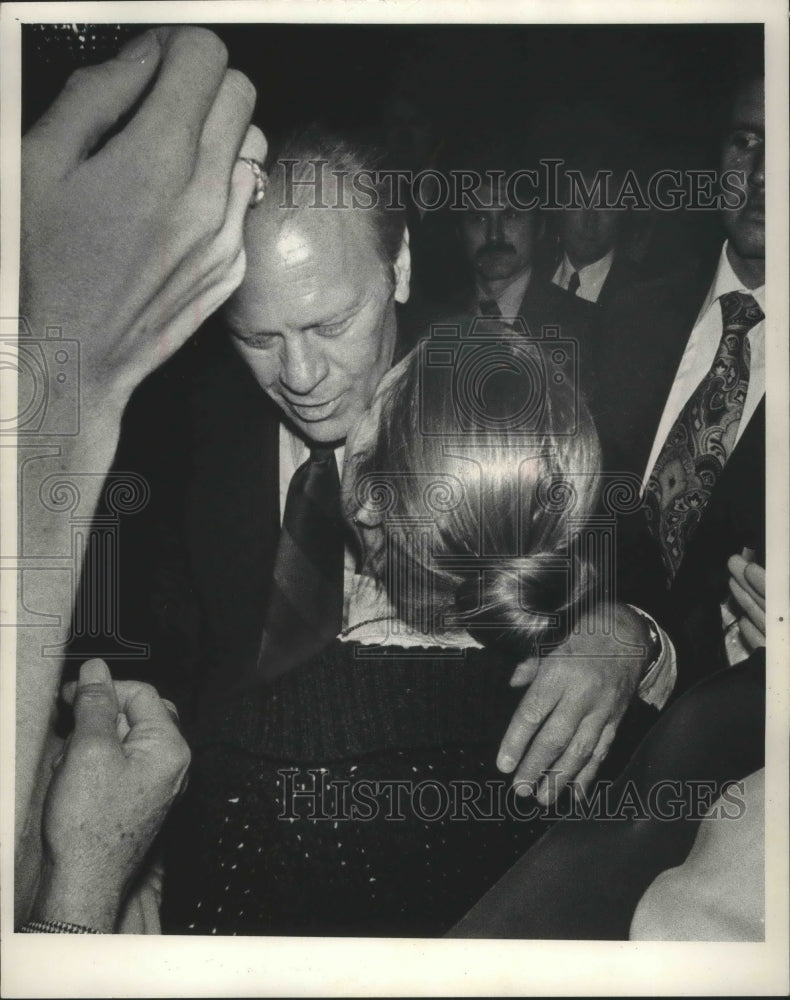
x=701 y=350
x=591 y=276
x=694 y=365
x=510 y=298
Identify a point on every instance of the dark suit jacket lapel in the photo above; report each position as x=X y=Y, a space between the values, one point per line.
x=232 y=510
x=644 y=336
x=622 y=275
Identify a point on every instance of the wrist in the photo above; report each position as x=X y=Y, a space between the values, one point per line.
x=620 y=633
x=640 y=629
x=68 y=896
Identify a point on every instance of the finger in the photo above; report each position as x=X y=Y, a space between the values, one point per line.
x=95 y=703
x=95 y=97
x=585 y=778
x=751 y=634
x=744 y=572
x=242 y=186
x=551 y=740
x=143 y=707
x=68 y=691
x=525 y=672
x=192 y=70
x=754 y=575
x=224 y=129
x=587 y=774
x=748 y=604
x=576 y=756
x=532 y=712
x=154 y=734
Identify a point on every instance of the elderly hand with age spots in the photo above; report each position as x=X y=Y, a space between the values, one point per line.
x=120 y=771
x=575 y=700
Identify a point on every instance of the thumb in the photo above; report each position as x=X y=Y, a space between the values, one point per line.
x=95 y=98
x=95 y=703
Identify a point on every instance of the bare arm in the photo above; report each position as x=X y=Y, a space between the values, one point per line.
x=127 y=247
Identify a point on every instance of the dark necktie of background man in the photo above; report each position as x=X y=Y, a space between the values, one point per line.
x=573 y=284
x=306 y=604
x=702 y=438
x=490 y=307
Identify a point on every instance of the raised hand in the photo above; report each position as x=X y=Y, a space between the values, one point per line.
x=131 y=238
x=120 y=771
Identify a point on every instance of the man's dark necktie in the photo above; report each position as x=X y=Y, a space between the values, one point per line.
x=573 y=284
x=489 y=307
x=306 y=604
x=703 y=437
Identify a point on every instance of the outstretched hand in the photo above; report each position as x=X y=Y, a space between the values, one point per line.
x=568 y=718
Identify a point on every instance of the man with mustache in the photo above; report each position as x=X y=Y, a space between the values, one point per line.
x=499 y=242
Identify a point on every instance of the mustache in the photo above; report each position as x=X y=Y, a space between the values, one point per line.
x=490 y=249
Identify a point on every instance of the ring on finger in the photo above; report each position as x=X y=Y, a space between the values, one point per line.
x=261 y=179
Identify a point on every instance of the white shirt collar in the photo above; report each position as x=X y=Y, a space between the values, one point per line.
x=598 y=270
x=726 y=280
x=509 y=300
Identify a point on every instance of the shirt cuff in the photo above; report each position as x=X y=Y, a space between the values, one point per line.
x=659 y=680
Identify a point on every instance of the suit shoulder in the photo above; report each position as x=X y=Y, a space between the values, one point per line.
x=677 y=289
x=557 y=304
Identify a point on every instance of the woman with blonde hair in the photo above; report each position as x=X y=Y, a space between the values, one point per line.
x=358 y=794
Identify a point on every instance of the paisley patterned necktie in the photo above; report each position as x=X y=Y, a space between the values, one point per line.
x=702 y=438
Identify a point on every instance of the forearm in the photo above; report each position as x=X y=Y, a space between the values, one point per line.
x=51 y=591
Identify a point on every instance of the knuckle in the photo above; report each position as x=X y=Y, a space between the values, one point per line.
x=181 y=756
x=551 y=742
x=78 y=78
x=91 y=76
x=581 y=749
x=147 y=689
x=201 y=44
x=93 y=694
x=531 y=713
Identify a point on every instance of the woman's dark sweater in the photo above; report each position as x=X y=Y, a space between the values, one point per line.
x=405 y=821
